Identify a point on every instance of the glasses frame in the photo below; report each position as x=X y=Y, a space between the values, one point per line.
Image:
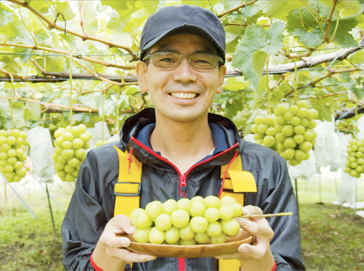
x=150 y=56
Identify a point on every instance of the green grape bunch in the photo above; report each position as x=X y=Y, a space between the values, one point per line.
x=289 y=131
x=70 y=151
x=355 y=159
x=187 y=222
x=13 y=154
x=295 y=134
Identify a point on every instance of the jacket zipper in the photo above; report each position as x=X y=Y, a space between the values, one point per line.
x=182 y=181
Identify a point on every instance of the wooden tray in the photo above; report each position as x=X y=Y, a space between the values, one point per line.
x=195 y=251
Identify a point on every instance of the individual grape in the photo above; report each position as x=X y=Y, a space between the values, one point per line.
x=156 y=236
x=199 y=224
x=169 y=206
x=184 y=204
x=230 y=227
x=142 y=235
x=214 y=229
x=226 y=212
x=187 y=233
x=141 y=220
x=172 y=235
x=212 y=214
x=197 y=208
x=238 y=209
x=201 y=238
x=162 y=222
x=180 y=218
x=212 y=202
x=154 y=209
x=227 y=200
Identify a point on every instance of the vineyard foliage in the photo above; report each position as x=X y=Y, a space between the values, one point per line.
x=80 y=55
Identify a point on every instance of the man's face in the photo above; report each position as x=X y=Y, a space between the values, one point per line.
x=182 y=93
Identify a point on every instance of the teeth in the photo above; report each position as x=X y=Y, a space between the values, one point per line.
x=184 y=95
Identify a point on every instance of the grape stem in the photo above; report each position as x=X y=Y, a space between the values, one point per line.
x=70 y=89
x=267 y=215
x=11 y=102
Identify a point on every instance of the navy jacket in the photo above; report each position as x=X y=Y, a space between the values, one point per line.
x=92 y=204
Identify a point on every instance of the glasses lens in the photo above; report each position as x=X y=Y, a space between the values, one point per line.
x=204 y=60
x=197 y=60
x=166 y=59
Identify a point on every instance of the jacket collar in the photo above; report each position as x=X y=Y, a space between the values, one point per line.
x=143 y=152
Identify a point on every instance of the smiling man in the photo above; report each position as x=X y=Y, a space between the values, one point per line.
x=181 y=148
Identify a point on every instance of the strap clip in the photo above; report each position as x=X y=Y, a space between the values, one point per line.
x=129 y=187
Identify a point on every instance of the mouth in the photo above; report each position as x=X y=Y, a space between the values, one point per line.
x=184 y=95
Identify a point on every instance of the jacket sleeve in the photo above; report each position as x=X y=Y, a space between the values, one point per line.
x=275 y=195
x=85 y=218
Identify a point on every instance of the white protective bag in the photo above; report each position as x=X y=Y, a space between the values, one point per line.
x=41 y=151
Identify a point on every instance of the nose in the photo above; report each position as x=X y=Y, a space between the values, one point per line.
x=184 y=72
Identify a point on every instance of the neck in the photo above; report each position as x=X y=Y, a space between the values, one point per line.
x=182 y=143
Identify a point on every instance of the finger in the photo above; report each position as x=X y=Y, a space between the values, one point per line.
x=246 y=251
x=257 y=251
x=111 y=241
x=252 y=210
x=259 y=227
x=122 y=222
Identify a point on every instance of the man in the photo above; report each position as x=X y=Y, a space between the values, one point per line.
x=182 y=148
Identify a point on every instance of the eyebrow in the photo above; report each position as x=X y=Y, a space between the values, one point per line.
x=167 y=48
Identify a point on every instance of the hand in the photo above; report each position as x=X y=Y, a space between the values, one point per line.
x=258 y=255
x=109 y=253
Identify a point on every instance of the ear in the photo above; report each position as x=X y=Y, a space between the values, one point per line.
x=222 y=73
x=142 y=75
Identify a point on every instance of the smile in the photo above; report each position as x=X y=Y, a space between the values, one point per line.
x=184 y=95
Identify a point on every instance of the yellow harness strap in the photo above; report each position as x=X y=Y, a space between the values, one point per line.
x=236 y=183
x=127 y=189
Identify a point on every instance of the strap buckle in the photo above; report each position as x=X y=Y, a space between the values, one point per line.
x=128 y=187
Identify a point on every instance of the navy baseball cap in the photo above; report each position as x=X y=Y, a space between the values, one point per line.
x=183 y=19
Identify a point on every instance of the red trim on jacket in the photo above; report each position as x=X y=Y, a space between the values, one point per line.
x=275 y=266
x=94 y=265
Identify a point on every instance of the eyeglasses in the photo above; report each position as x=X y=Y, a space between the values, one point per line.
x=173 y=59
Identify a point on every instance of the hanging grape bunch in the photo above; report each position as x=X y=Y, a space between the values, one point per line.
x=187 y=222
x=12 y=154
x=295 y=135
x=292 y=136
x=355 y=160
x=70 y=151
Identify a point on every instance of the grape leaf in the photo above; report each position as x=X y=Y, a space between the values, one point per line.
x=33 y=109
x=65 y=9
x=6 y=15
x=302 y=24
x=343 y=37
x=247 y=57
x=278 y=9
x=18 y=114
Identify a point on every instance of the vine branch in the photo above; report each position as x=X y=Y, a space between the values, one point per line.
x=84 y=37
x=86 y=58
x=236 y=8
x=327 y=39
